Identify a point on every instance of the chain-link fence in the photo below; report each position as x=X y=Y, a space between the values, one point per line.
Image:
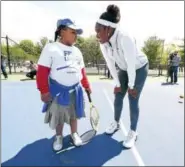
x=14 y=56
x=14 y=64
x=11 y=61
x=102 y=70
x=154 y=70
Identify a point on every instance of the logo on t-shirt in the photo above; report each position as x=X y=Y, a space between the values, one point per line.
x=66 y=55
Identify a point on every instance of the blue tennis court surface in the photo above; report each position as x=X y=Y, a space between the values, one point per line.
x=27 y=141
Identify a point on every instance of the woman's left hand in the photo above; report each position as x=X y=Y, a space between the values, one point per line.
x=132 y=92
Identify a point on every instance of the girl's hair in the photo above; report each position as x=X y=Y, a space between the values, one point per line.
x=112 y=14
x=57 y=32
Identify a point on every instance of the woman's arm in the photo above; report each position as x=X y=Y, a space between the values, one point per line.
x=111 y=66
x=129 y=51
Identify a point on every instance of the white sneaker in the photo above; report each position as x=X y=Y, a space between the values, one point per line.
x=57 y=145
x=130 y=139
x=113 y=127
x=76 y=139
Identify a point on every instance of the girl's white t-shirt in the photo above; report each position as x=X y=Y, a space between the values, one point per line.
x=64 y=61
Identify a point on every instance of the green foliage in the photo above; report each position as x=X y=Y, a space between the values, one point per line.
x=27 y=50
x=153 y=48
x=172 y=47
x=3 y=49
x=169 y=49
x=90 y=49
x=27 y=46
x=181 y=51
x=40 y=45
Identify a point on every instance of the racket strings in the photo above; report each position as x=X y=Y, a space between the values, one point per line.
x=86 y=137
x=94 y=117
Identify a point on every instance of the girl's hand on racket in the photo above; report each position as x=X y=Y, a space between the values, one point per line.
x=88 y=90
x=117 y=90
x=132 y=92
x=46 y=97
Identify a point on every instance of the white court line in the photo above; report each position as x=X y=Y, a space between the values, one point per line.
x=133 y=149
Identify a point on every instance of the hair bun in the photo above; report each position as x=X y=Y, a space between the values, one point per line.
x=113 y=10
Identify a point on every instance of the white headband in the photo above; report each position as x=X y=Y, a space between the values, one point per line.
x=107 y=23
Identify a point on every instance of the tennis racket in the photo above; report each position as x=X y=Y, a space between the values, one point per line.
x=94 y=120
x=88 y=135
x=94 y=115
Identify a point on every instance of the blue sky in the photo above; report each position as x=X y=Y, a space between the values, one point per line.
x=35 y=19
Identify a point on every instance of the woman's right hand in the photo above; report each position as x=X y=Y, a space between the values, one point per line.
x=46 y=97
x=117 y=90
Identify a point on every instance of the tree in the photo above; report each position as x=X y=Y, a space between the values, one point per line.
x=28 y=46
x=3 y=49
x=94 y=50
x=80 y=42
x=168 y=49
x=16 y=53
x=181 y=51
x=90 y=49
x=153 y=49
x=40 y=45
x=179 y=47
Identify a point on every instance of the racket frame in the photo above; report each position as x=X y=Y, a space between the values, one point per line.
x=91 y=109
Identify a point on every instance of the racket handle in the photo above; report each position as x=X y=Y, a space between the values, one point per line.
x=89 y=96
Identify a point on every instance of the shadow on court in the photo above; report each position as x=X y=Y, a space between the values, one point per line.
x=27 y=79
x=168 y=83
x=96 y=153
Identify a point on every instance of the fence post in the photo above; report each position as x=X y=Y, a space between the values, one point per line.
x=161 y=69
x=105 y=69
x=8 y=54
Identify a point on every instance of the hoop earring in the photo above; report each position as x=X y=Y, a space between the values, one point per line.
x=59 y=38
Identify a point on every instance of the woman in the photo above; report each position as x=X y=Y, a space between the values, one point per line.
x=60 y=74
x=120 y=48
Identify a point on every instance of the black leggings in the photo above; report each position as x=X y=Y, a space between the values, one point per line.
x=31 y=74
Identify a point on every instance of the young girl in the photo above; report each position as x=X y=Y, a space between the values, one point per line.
x=120 y=48
x=60 y=71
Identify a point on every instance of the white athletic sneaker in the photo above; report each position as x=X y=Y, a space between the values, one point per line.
x=113 y=127
x=76 y=139
x=130 y=139
x=57 y=145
